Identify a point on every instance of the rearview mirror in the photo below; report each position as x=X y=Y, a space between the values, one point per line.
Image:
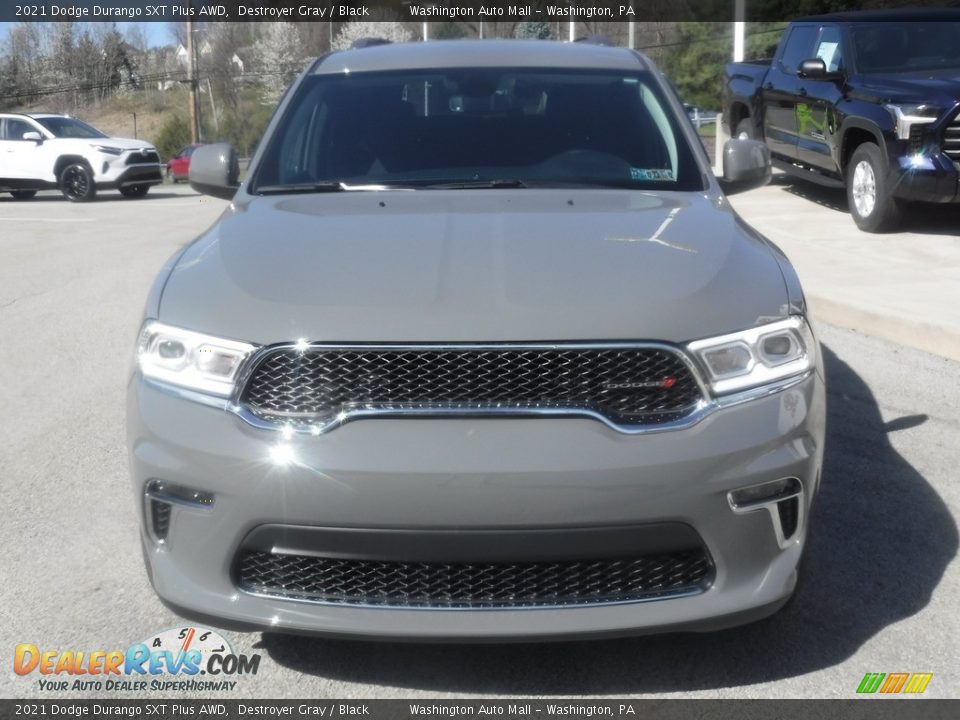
x=215 y=170
x=34 y=136
x=746 y=165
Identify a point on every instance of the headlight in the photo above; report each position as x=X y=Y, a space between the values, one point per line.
x=908 y=115
x=190 y=359
x=758 y=356
x=108 y=150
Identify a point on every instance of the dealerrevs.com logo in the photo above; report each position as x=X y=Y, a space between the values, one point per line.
x=179 y=659
x=894 y=683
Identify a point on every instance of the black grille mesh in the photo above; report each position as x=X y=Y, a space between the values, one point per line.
x=473 y=584
x=139 y=158
x=626 y=385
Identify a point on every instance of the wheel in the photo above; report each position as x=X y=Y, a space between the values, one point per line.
x=76 y=183
x=869 y=191
x=134 y=191
x=23 y=194
x=745 y=130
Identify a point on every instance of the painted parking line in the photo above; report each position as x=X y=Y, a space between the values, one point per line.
x=47 y=220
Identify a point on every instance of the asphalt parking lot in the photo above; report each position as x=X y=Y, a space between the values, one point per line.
x=880 y=586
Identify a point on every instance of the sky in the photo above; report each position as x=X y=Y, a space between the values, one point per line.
x=157 y=32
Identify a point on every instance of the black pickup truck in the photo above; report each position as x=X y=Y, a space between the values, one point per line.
x=869 y=101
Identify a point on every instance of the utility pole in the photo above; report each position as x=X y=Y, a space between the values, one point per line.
x=213 y=107
x=739 y=26
x=192 y=80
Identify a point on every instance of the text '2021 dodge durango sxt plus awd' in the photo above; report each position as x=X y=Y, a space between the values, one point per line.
x=479 y=350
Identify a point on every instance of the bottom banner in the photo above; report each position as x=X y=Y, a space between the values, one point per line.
x=389 y=709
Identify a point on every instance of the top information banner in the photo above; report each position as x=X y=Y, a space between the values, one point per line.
x=421 y=10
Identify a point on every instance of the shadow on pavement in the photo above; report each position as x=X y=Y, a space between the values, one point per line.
x=880 y=542
x=926 y=218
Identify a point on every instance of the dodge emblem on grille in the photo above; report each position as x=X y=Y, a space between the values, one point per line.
x=665 y=383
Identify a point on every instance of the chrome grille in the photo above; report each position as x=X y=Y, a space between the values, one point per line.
x=628 y=385
x=951 y=140
x=474 y=584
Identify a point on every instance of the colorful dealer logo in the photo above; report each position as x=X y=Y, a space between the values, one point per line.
x=892 y=683
x=182 y=652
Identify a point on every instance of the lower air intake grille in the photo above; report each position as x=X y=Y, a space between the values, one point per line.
x=473 y=584
x=789 y=515
x=160 y=518
x=626 y=385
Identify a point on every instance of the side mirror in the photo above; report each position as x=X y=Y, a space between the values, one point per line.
x=746 y=165
x=816 y=69
x=34 y=136
x=215 y=170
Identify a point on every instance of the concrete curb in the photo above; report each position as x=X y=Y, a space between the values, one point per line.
x=930 y=338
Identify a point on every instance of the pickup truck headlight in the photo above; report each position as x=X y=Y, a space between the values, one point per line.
x=908 y=115
x=758 y=356
x=189 y=359
x=108 y=150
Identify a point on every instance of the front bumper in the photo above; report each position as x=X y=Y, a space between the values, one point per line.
x=148 y=174
x=925 y=177
x=506 y=477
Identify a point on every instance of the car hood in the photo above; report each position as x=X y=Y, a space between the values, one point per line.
x=939 y=87
x=485 y=265
x=122 y=143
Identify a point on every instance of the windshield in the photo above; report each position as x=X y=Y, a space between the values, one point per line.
x=63 y=127
x=906 y=47
x=505 y=127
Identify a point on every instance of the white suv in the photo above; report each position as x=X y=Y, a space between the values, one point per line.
x=43 y=151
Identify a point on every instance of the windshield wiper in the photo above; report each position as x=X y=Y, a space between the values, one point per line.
x=474 y=184
x=322 y=186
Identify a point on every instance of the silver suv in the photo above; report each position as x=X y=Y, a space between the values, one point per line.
x=478 y=350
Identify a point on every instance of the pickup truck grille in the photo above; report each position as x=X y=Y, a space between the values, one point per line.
x=951 y=140
x=627 y=385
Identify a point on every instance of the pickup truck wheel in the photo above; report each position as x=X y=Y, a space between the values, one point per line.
x=23 y=194
x=134 y=191
x=869 y=195
x=745 y=130
x=76 y=183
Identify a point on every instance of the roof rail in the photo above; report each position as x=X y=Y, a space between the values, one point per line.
x=369 y=42
x=595 y=40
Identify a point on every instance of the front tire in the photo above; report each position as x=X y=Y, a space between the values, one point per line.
x=134 y=191
x=23 y=194
x=76 y=183
x=870 y=192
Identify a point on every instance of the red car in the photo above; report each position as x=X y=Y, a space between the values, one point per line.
x=178 y=167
